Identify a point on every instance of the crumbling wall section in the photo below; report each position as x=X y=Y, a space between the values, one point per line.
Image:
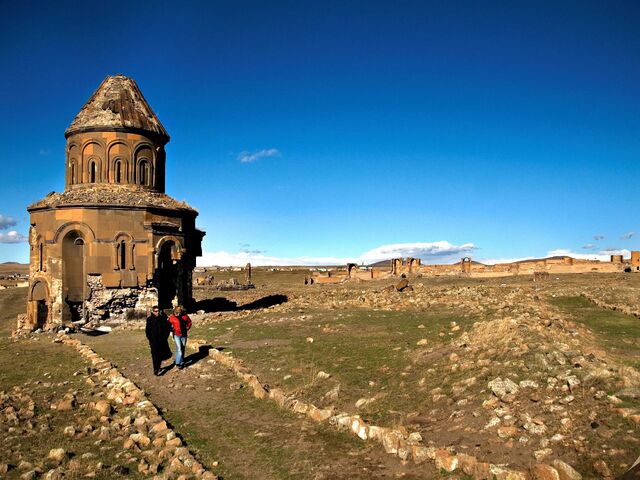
x=117 y=305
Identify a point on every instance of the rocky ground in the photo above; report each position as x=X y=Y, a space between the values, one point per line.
x=469 y=378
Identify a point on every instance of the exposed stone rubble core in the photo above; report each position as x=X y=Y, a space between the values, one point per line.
x=146 y=432
x=117 y=305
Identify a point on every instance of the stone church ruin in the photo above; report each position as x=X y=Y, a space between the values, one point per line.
x=112 y=244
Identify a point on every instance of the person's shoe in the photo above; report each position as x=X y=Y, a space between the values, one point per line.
x=180 y=366
x=156 y=372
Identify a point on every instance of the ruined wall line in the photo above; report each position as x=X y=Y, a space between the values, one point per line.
x=153 y=431
x=398 y=442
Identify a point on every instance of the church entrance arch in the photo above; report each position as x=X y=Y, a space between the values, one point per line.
x=168 y=274
x=40 y=304
x=74 y=276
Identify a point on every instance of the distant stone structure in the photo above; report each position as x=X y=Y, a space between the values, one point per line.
x=247 y=274
x=635 y=261
x=465 y=265
x=552 y=265
x=112 y=243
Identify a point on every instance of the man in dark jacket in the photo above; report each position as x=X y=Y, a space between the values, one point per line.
x=157 y=331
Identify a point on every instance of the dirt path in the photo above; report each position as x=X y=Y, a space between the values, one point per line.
x=250 y=438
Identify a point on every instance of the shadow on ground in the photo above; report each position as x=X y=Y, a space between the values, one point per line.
x=221 y=304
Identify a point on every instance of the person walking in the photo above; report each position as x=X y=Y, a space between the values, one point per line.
x=157 y=331
x=180 y=324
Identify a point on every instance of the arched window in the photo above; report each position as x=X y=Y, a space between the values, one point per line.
x=72 y=180
x=118 y=175
x=144 y=173
x=92 y=172
x=123 y=254
x=40 y=256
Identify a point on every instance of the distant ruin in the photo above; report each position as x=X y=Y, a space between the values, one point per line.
x=112 y=244
x=540 y=269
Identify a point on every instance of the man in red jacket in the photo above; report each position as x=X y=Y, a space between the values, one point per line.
x=180 y=326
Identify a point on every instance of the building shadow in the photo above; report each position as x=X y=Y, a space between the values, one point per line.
x=92 y=332
x=265 y=302
x=218 y=304
x=221 y=304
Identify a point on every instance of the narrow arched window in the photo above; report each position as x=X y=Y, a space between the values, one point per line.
x=118 y=171
x=123 y=254
x=73 y=173
x=40 y=256
x=92 y=172
x=144 y=172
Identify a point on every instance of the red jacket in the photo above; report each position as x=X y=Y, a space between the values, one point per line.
x=180 y=326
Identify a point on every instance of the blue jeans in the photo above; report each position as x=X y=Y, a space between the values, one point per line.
x=181 y=344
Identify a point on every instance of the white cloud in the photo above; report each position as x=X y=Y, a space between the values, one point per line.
x=602 y=255
x=13 y=237
x=250 y=157
x=588 y=246
x=627 y=235
x=431 y=252
x=6 y=222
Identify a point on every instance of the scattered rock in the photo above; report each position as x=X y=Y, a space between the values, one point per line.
x=501 y=387
x=57 y=455
x=565 y=471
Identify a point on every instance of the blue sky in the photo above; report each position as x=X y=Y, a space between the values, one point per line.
x=339 y=130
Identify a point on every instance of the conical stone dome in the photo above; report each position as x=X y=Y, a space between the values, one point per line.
x=117 y=105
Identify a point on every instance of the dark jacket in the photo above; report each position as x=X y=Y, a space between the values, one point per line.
x=157 y=331
x=180 y=326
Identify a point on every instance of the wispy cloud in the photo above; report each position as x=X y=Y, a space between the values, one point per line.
x=250 y=157
x=6 y=222
x=589 y=246
x=424 y=250
x=627 y=236
x=45 y=152
x=598 y=237
x=603 y=255
x=12 y=237
x=431 y=252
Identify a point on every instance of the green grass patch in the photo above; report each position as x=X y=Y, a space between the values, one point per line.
x=618 y=333
x=367 y=352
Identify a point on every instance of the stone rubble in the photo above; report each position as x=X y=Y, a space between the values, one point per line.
x=145 y=432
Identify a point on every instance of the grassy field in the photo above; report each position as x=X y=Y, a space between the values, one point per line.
x=420 y=361
x=367 y=353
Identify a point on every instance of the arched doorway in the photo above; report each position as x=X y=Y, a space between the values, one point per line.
x=39 y=298
x=74 y=277
x=167 y=275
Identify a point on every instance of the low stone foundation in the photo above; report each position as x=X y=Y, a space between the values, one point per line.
x=396 y=441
